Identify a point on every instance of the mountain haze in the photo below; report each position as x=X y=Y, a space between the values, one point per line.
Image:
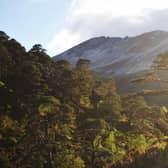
x=118 y=56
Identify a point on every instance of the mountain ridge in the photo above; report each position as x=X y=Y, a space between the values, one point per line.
x=114 y=56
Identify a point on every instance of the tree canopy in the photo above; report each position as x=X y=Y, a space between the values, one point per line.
x=55 y=115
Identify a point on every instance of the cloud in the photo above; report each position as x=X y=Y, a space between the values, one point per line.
x=64 y=39
x=90 y=18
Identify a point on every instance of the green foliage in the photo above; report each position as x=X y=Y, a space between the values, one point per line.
x=162 y=61
x=85 y=101
x=2 y=84
x=55 y=115
x=110 y=142
x=50 y=105
x=79 y=163
x=140 y=143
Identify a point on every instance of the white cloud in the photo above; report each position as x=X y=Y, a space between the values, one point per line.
x=64 y=39
x=89 y=18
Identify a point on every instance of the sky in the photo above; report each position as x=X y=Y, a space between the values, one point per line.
x=61 y=24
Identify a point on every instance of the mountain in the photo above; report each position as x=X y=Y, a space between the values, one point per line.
x=119 y=56
x=127 y=60
x=55 y=115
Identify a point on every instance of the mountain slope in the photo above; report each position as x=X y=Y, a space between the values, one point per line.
x=119 y=56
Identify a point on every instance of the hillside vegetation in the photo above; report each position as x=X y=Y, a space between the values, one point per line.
x=54 y=115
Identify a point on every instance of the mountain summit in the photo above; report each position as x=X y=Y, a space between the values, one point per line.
x=119 y=56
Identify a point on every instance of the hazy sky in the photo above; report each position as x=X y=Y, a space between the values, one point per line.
x=61 y=24
x=33 y=21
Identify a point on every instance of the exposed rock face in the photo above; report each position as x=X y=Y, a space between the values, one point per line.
x=119 y=56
